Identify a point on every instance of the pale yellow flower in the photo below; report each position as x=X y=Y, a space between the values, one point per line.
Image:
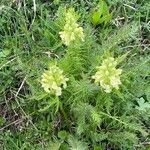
x=71 y=30
x=107 y=75
x=53 y=79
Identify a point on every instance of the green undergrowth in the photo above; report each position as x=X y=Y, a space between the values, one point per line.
x=84 y=117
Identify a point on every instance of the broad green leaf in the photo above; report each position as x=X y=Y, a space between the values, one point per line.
x=95 y=17
x=62 y=134
x=101 y=14
x=55 y=145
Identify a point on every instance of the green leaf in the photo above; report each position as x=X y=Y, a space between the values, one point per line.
x=50 y=103
x=98 y=137
x=143 y=106
x=55 y=145
x=122 y=57
x=96 y=147
x=102 y=14
x=75 y=144
x=5 y=53
x=62 y=135
x=97 y=14
x=105 y=18
x=95 y=17
x=105 y=8
x=96 y=117
x=64 y=146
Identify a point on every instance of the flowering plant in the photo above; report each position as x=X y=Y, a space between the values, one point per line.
x=53 y=79
x=107 y=75
x=71 y=31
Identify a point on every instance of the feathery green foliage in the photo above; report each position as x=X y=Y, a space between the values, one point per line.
x=83 y=116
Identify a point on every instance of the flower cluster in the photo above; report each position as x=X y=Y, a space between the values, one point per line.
x=53 y=79
x=107 y=75
x=71 y=30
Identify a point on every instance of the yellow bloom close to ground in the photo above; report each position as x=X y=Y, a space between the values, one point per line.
x=53 y=80
x=107 y=75
x=71 y=30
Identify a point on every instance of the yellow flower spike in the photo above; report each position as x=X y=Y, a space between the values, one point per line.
x=71 y=30
x=107 y=75
x=53 y=79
